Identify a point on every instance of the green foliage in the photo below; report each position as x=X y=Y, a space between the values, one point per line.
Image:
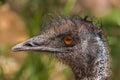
x=68 y=7
x=34 y=14
x=2 y=2
x=35 y=67
x=112 y=19
x=2 y=76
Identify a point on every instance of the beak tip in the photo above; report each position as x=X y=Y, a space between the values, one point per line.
x=17 y=47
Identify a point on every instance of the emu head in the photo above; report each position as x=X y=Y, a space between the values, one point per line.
x=74 y=41
x=70 y=40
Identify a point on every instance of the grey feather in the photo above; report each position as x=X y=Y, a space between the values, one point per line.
x=88 y=55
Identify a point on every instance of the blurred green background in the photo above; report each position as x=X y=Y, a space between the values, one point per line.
x=22 y=19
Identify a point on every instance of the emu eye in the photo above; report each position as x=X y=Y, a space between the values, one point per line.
x=68 y=40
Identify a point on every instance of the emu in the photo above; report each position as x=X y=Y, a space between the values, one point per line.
x=76 y=42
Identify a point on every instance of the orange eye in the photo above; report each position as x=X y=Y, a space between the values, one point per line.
x=68 y=40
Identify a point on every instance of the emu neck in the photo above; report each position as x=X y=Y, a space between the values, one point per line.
x=96 y=68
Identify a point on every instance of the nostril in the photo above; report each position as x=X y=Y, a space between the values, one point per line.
x=37 y=44
x=28 y=44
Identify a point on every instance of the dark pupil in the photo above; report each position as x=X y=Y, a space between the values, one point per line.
x=68 y=39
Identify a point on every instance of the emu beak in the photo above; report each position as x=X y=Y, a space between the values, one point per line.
x=37 y=44
x=33 y=44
